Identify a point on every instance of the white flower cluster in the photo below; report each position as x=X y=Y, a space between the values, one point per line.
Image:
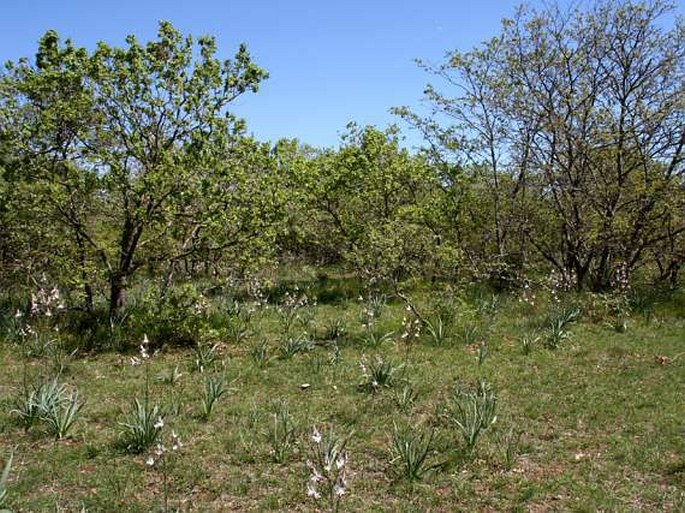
x=45 y=302
x=558 y=282
x=411 y=326
x=327 y=469
x=144 y=349
x=621 y=281
x=527 y=295
x=160 y=450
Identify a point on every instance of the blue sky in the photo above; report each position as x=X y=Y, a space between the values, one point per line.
x=330 y=62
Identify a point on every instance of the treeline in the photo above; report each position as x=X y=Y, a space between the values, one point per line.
x=555 y=145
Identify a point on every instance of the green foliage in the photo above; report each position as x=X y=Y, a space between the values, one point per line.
x=293 y=346
x=525 y=179
x=61 y=415
x=555 y=328
x=378 y=373
x=472 y=411
x=128 y=153
x=50 y=403
x=406 y=397
x=260 y=354
x=141 y=427
x=282 y=434
x=335 y=330
x=411 y=448
x=327 y=465
x=171 y=377
x=214 y=389
x=206 y=356
x=373 y=339
x=439 y=331
x=4 y=477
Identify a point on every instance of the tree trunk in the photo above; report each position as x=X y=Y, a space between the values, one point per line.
x=117 y=295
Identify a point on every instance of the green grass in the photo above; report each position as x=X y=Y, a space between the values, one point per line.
x=601 y=420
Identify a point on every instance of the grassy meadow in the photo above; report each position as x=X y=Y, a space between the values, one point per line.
x=470 y=401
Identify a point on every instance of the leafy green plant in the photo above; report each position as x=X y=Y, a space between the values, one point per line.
x=411 y=449
x=61 y=415
x=642 y=304
x=214 y=389
x=260 y=354
x=292 y=346
x=171 y=376
x=469 y=334
x=50 y=403
x=335 y=330
x=619 y=324
x=140 y=430
x=529 y=341
x=237 y=329
x=556 y=332
x=206 y=356
x=282 y=434
x=376 y=304
x=4 y=477
x=26 y=405
x=378 y=373
x=406 y=397
x=483 y=352
x=472 y=411
x=438 y=330
x=374 y=340
x=510 y=441
x=59 y=357
x=327 y=465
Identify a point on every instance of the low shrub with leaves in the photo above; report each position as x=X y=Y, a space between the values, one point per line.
x=406 y=397
x=171 y=376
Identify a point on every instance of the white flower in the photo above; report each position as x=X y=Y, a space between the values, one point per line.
x=19 y=314
x=340 y=487
x=341 y=460
x=143 y=348
x=159 y=424
x=316 y=436
x=150 y=461
x=175 y=441
x=312 y=491
x=315 y=476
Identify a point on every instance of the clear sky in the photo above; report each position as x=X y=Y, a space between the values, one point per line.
x=330 y=62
